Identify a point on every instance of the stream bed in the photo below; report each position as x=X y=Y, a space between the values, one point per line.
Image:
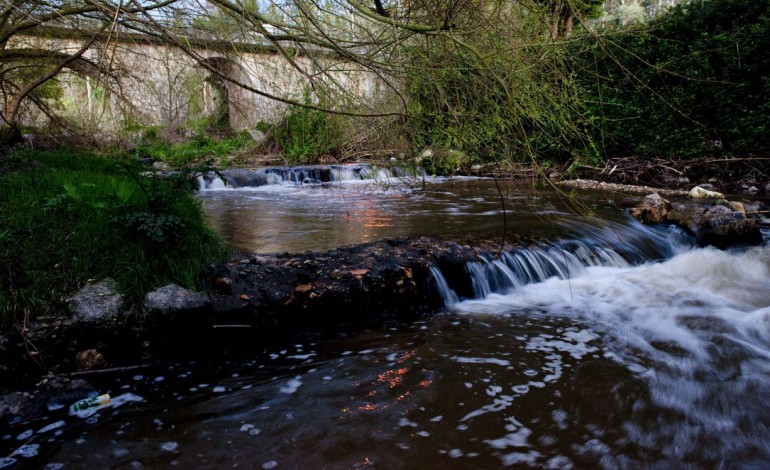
x=652 y=353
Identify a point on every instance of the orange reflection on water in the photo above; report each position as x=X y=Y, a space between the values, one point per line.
x=393 y=377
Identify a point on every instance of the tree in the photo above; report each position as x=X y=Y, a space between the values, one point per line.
x=40 y=39
x=431 y=58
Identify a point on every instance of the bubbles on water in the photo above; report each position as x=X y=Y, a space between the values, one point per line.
x=269 y=465
x=53 y=466
x=120 y=452
x=480 y=360
x=405 y=422
x=51 y=427
x=6 y=462
x=518 y=458
x=455 y=453
x=27 y=451
x=291 y=386
x=25 y=435
x=170 y=446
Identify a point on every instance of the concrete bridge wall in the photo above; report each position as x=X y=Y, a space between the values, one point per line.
x=161 y=85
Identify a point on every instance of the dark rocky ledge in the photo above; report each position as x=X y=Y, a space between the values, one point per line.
x=247 y=302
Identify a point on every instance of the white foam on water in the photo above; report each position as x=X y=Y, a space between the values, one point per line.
x=51 y=427
x=481 y=360
x=170 y=446
x=694 y=328
x=292 y=385
x=27 y=451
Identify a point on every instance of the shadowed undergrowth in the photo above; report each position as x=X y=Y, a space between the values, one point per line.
x=70 y=218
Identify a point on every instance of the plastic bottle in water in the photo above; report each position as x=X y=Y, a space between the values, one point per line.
x=101 y=400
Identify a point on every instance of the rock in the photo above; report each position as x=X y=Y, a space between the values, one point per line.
x=767 y=188
x=737 y=206
x=89 y=359
x=685 y=215
x=701 y=193
x=721 y=225
x=476 y=167
x=97 y=304
x=752 y=190
x=223 y=285
x=682 y=180
x=173 y=299
x=50 y=392
x=653 y=210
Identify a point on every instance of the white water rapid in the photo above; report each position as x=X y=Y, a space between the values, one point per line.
x=695 y=329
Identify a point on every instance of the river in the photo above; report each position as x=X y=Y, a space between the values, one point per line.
x=610 y=345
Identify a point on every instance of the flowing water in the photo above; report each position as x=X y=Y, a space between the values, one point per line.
x=610 y=345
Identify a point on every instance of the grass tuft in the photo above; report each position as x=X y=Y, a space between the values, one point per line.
x=69 y=218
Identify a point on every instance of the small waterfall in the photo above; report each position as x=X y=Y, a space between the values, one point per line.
x=613 y=245
x=447 y=294
x=296 y=175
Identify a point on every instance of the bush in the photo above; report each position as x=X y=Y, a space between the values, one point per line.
x=197 y=150
x=305 y=135
x=74 y=218
x=493 y=98
x=692 y=83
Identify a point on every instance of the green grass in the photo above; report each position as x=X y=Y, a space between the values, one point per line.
x=194 y=151
x=68 y=218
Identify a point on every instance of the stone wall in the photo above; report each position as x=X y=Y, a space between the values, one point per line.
x=162 y=86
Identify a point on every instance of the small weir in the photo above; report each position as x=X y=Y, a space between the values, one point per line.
x=609 y=245
x=299 y=175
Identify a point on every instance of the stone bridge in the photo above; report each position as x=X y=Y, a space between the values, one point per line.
x=160 y=85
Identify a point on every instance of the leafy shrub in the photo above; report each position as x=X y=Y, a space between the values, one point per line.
x=307 y=134
x=692 y=83
x=492 y=99
x=200 y=148
x=75 y=217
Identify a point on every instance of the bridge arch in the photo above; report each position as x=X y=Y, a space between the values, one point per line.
x=221 y=101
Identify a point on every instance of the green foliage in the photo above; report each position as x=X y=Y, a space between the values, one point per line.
x=493 y=98
x=692 y=83
x=306 y=134
x=75 y=217
x=201 y=148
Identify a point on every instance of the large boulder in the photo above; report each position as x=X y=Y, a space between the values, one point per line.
x=97 y=305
